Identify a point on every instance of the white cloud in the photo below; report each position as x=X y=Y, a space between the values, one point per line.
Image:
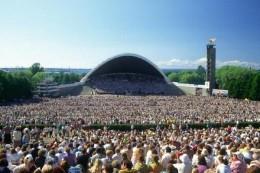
x=202 y=61
x=182 y=63
x=185 y=63
x=170 y=62
x=238 y=63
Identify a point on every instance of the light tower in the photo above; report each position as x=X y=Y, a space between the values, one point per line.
x=211 y=64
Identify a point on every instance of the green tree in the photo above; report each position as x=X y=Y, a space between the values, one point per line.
x=191 y=77
x=255 y=90
x=2 y=80
x=57 y=77
x=66 y=78
x=168 y=73
x=174 y=77
x=37 y=78
x=237 y=80
x=36 y=67
x=201 y=70
x=25 y=73
x=15 y=85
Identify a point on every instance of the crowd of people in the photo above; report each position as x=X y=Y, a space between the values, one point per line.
x=132 y=84
x=67 y=147
x=224 y=150
x=114 y=109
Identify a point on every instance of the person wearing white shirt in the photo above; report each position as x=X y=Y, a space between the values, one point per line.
x=60 y=155
x=117 y=156
x=17 y=137
x=166 y=158
x=185 y=166
x=195 y=158
x=108 y=159
x=149 y=154
x=13 y=157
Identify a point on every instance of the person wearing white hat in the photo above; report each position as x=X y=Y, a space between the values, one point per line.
x=185 y=165
x=26 y=136
x=8 y=146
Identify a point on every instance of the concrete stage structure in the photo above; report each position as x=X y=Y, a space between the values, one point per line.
x=126 y=63
x=129 y=64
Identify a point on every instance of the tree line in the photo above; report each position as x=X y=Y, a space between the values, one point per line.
x=15 y=86
x=241 y=82
x=188 y=76
x=20 y=84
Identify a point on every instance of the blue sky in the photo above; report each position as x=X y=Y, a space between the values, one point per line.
x=171 y=33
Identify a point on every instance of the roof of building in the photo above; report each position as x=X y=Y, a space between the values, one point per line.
x=126 y=63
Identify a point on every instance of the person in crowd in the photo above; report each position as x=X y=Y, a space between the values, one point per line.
x=155 y=166
x=65 y=166
x=47 y=168
x=117 y=156
x=13 y=157
x=170 y=169
x=28 y=164
x=97 y=166
x=202 y=164
x=4 y=166
x=237 y=163
x=76 y=146
x=70 y=157
x=223 y=166
x=126 y=167
x=140 y=165
x=108 y=159
x=17 y=137
x=107 y=169
x=166 y=158
x=184 y=164
x=26 y=136
x=40 y=159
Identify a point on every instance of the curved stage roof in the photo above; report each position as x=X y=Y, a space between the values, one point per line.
x=126 y=63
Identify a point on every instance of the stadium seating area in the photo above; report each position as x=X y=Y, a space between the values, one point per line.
x=128 y=84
